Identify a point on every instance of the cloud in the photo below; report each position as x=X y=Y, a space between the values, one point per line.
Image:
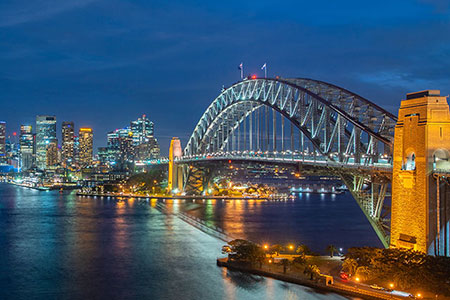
x=24 y=11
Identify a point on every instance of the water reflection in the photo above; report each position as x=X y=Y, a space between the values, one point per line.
x=66 y=247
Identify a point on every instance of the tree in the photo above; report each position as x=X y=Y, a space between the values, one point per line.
x=242 y=250
x=350 y=265
x=285 y=262
x=312 y=270
x=303 y=249
x=331 y=249
x=276 y=249
x=300 y=260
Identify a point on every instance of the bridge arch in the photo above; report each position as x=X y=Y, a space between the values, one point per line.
x=343 y=127
x=333 y=119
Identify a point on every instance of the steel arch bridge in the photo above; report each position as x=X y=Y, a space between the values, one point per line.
x=332 y=131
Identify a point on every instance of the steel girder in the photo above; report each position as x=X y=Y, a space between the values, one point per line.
x=338 y=123
x=333 y=119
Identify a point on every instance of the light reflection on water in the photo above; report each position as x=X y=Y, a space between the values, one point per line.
x=56 y=246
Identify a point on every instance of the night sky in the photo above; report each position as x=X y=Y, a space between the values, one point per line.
x=104 y=63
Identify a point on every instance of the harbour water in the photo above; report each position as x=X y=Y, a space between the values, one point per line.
x=60 y=246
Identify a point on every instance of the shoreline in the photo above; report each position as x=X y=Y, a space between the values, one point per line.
x=338 y=289
x=171 y=197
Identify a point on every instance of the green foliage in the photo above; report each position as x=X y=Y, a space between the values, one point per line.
x=246 y=251
x=276 y=249
x=285 y=263
x=312 y=271
x=304 y=249
x=331 y=249
x=406 y=268
x=148 y=182
x=350 y=265
x=300 y=260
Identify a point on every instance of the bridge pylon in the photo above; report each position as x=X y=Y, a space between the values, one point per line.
x=420 y=214
x=175 y=180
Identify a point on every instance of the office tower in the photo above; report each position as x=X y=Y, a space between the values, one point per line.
x=26 y=147
x=147 y=150
x=142 y=130
x=2 y=141
x=85 y=137
x=45 y=135
x=120 y=141
x=52 y=154
x=67 y=146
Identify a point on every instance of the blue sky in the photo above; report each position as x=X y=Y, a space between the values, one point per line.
x=103 y=63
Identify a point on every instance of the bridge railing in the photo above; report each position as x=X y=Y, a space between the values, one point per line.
x=284 y=156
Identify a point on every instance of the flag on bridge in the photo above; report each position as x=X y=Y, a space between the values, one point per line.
x=265 y=69
x=241 y=67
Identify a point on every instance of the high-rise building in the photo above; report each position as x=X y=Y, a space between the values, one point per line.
x=85 y=137
x=147 y=150
x=26 y=147
x=120 y=141
x=45 y=134
x=142 y=130
x=52 y=154
x=67 y=146
x=2 y=141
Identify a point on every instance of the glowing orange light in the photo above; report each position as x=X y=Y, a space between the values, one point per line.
x=391 y=285
x=291 y=247
x=266 y=247
x=270 y=261
x=253 y=76
x=14 y=133
x=357 y=279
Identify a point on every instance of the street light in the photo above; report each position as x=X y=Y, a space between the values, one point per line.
x=391 y=285
x=291 y=247
x=357 y=279
x=266 y=246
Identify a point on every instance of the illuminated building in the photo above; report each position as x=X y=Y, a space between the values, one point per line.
x=175 y=178
x=45 y=134
x=142 y=130
x=2 y=141
x=85 y=139
x=107 y=156
x=130 y=144
x=52 y=154
x=421 y=148
x=67 y=147
x=26 y=147
x=147 y=150
x=120 y=143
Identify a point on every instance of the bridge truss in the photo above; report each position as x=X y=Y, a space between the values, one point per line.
x=300 y=121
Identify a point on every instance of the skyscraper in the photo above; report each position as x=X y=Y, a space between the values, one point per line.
x=45 y=134
x=67 y=152
x=26 y=147
x=142 y=130
x=2 y=141
x=85 y=136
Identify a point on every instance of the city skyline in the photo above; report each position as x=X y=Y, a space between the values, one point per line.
x=172 y=72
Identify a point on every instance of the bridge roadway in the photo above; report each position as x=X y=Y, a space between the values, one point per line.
x=311 y=162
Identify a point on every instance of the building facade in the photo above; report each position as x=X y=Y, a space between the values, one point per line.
x=45 y=135
x=2 y=142
x=85 y=148
x=420 y=210
x=26 y=147
x=67 y=145
x=142 y=130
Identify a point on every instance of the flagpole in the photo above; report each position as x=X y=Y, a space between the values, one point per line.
x=242 y=71
x=265 y=71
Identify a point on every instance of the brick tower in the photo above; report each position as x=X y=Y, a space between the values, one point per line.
x=421 y=144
